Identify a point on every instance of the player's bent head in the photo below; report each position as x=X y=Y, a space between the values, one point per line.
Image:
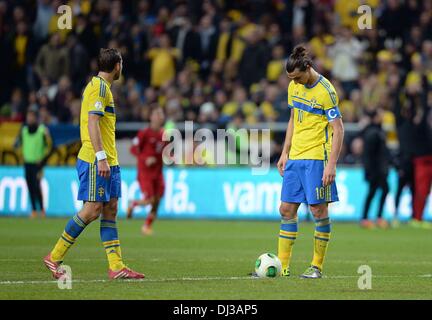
x=110 y=61
x=298 y=65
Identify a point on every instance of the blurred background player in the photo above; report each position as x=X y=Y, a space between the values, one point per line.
x=98 y=171
x=147 y=146
x=36 y=144
x=404 y=158
x=376 y=164
x=422 y=159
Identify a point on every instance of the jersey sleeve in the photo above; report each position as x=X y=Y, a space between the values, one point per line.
x=331 y=103
x=97 y=99
x=290 y=102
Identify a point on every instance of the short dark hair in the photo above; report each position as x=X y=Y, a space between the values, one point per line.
x=107 y=59
x=299 y=58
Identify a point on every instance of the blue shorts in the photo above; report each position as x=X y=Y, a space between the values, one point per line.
x=93 y=187
x=302 y=183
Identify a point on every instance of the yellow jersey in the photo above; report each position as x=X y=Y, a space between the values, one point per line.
x=314 y=107
x=98 y=99
x=162 y=66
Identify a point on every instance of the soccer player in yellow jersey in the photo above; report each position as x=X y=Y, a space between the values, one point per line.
x=308 y=161
x=98 y=171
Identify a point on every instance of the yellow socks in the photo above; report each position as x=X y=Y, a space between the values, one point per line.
x=321 y=239
x=287 y=236
x=109 y=237
x=72 y=230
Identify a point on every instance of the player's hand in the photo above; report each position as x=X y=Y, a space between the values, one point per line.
x=149 y=161
x=329 y=175
x=281 y=163
x=103 y=168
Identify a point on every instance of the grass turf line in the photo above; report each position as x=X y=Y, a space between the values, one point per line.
x=210 y=260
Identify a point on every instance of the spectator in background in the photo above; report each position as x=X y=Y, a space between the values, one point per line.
x=275 y=67
x=62 y=98
x=220 y=99
x=208 y=42
x=86 y=36
x=240 y=105
x=6 y=55
x=267 y=107
x=345 y=54
x=208 y=113
x=163 y=62
x=185 y=39
x=253 y=63
x=15 y=109
x=52 y=60
x=376 y=166
x=45 y=115
x=274 y=36
x=427 y=56
x=144 y=18
x=79 y=63
x=392 y=23
x=356 y=151
x=134 y=105
x=224 y=41
x=23 y=45
x=118 y=25
x=36 y=147
x=349 y=107
x=43 y=16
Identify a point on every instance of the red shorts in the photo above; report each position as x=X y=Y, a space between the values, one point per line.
x=151 y=186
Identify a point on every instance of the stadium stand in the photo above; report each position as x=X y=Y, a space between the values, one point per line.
x=211 y=61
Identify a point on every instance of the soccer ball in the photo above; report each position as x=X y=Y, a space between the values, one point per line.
x=268 y=265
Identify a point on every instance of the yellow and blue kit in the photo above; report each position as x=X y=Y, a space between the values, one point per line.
x=98 y=99
x=314 y=108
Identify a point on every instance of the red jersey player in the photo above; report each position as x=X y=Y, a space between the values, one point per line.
x=147 y=146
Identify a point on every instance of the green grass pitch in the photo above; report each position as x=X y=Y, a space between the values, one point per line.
x=211 y=259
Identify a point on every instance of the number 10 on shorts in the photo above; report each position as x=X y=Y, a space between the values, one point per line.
x=320 y=192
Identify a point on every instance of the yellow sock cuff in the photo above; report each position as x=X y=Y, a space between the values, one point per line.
x=324 y=236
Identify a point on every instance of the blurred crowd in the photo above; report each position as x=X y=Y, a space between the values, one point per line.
x=214 y=61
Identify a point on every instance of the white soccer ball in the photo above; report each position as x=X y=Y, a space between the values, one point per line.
x=268 y=265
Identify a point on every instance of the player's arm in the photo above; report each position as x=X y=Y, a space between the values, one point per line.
x=96 y=140
x=135 y=148
x=96 y=109
x=338 y=135
x=287 y=145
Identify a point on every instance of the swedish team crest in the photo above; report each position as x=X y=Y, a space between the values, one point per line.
x=313 y=102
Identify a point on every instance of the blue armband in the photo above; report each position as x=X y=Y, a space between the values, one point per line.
x=333 y=113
